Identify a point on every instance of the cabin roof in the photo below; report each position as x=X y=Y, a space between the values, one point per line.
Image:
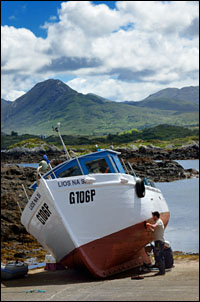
x=93 y=155
x=100 y=152
x=96 y=154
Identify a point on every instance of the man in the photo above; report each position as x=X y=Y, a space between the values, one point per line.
x=158 y=229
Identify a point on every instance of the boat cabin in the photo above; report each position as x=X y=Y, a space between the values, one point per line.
x=103 y=161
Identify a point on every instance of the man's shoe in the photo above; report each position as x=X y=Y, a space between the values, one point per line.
x=159 y=274
x=154 y=269
x=147 y=265
x=154 y=266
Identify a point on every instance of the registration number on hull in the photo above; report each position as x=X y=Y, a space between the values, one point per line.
x=82 y=196
x=43 y=214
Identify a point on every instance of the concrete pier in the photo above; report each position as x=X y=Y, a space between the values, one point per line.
x=181 y=283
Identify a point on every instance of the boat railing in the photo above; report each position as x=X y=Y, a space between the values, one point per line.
x=129 y=170
x=124 y=166
x=132 y=171
x=149 y=182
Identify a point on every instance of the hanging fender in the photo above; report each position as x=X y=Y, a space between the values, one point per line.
x=140 y=188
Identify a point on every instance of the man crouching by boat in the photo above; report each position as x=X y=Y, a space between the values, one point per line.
x=158 y=229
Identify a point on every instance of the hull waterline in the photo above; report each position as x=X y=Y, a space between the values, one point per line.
x=115 y=253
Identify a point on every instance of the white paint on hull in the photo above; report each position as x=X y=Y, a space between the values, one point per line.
x=115 y=206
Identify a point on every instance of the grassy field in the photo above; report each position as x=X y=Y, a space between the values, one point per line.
x=164 y=136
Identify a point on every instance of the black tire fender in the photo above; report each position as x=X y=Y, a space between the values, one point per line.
x=140 y=188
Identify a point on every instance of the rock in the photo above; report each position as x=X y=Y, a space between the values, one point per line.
x=163 y=171
x=170 y=147
x=134 y=148
x=33 y=155
x=16 y=155
x=190 y=151
x=20 y=255
x=12 y=178
x=143 y=149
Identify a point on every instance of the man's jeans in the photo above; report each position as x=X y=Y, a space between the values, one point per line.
x=159 y=255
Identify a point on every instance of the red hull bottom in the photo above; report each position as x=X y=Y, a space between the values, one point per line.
x=114 y=253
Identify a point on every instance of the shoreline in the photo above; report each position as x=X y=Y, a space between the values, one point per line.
x=187 y=151
x=17 y=244
x=32 y=250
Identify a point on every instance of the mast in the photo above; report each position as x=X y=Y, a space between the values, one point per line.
x=64 y=147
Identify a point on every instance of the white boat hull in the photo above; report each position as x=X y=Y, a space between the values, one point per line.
x=94 y=220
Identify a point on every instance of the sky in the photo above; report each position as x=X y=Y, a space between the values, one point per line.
x=120 y=50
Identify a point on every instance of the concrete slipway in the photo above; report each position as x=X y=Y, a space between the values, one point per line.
x=179 y=284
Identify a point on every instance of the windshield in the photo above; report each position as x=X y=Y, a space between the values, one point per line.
x=97 y=166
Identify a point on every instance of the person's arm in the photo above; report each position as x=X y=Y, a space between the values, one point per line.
x=151 y=226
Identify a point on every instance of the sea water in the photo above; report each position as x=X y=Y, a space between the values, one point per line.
x=31 y=165
x=182 y=197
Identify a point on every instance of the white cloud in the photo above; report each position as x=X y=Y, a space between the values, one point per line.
x=14 y=85
x=123 y=54
x=22 y=51
x=119 y=91
x=168 y=17
x=53 y=18
x=93 y=20
x=14 y=94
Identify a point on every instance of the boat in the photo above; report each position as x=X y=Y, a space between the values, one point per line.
x=13 y=270
x=90 y=211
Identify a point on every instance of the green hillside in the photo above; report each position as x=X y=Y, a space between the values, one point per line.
x=156 y=135
x=168 y=104
x=185 y=99
x=52 y=101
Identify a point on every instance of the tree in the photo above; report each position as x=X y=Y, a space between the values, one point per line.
x=13 y=133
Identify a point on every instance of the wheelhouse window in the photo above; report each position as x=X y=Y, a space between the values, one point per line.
x=97 y=166
x=73 y=171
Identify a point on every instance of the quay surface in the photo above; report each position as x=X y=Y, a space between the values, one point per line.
x=181 y=283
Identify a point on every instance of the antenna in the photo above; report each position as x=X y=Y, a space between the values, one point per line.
x=65 y=149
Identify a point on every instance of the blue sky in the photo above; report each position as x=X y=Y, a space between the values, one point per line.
x=33 y=14
x=120 y=50
x=28 y=14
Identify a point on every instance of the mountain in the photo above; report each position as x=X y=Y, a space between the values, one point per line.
x=5 y=104
x=5 y=108
x=95 y=95
x=190 y=93
x=52 y=101
x=185 y=99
